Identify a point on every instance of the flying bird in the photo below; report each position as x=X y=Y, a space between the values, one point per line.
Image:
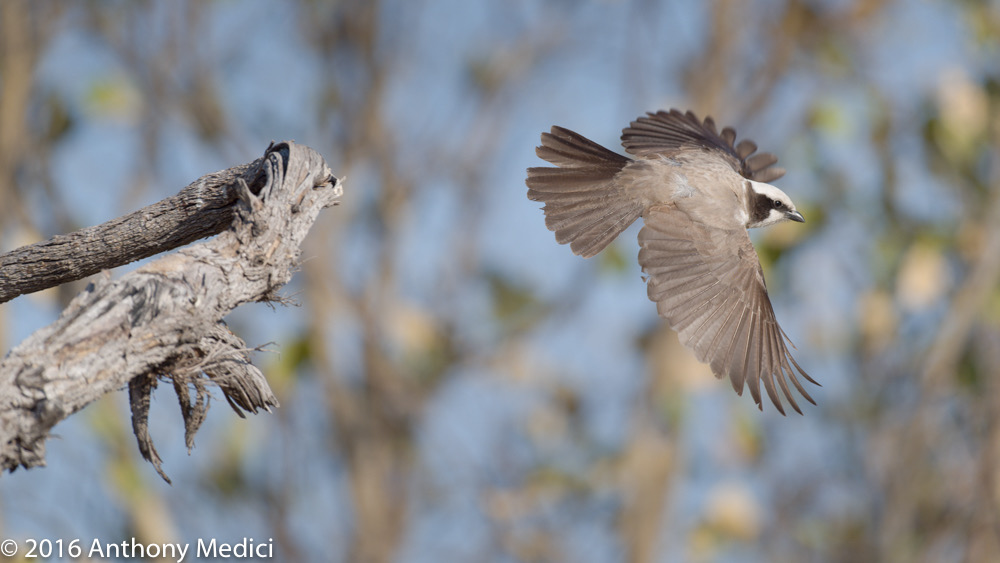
x=697 y=191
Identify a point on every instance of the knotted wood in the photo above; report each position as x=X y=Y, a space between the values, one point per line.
x=164 y=321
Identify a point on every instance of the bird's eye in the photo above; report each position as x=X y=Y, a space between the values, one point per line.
x=778 y=204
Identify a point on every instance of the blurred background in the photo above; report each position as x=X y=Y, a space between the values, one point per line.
x=454 y=385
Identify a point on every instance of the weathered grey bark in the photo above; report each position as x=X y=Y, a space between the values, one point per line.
x=202 y=209
x=164 y=320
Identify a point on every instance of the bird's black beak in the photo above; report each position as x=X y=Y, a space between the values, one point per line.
x=795 y=216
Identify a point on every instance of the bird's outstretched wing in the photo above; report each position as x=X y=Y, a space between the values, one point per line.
x=708 y=284
x=666 y=133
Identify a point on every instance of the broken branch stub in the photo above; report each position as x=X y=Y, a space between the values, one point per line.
x=165 y=320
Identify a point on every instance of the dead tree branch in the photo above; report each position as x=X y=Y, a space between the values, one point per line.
x=164 y=320
x=202 y=209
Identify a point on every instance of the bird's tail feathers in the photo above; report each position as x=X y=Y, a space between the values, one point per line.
x=585 y=205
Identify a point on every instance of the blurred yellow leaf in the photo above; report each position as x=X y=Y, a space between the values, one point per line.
x=964 y=111
x=284 y=366
x=412 y=329
x=613 y=260
x=746 y=442
x=828 y=117
x=515 y=305
x=878 y=319
x=115 y=97
x=923 y=276
x=733 y=512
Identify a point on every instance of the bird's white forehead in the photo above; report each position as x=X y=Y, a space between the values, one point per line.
x=771 y=192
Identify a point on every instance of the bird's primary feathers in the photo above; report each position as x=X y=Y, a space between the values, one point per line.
x=698 y=191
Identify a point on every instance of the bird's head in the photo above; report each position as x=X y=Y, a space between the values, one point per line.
x=768 y=205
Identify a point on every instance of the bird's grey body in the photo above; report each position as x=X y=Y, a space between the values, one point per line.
x=698 y=192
